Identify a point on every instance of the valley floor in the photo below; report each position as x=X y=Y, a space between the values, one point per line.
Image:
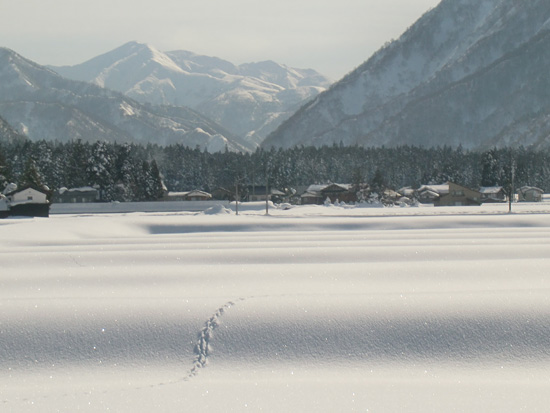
x=307 y=309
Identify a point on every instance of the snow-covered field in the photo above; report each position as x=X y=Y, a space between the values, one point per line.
x=318 y=309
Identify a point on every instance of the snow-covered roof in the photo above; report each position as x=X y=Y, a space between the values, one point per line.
x=347 y=187
x=315 y=188
x=80 y=189
x=406 y=191
x=486 y=190
x=430 y=194
x=18 y=190
x=10 y=188
x=391 y=193
x=530 y=188
x=438 y=189
x=321 y=187
x=196 y=192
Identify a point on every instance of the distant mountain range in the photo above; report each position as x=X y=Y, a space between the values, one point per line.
x=41 y=104
x=249 y=100
x=469 y=72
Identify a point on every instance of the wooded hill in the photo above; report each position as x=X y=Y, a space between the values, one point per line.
x=131 y=172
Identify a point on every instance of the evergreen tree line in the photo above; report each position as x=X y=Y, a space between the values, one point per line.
x=131 y=172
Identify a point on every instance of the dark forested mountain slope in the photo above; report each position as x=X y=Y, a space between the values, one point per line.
x=468 y=72
x=8 y=134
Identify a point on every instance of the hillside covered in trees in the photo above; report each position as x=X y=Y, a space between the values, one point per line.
x=131 y=172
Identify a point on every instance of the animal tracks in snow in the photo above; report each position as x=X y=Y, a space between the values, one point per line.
x=202 y=348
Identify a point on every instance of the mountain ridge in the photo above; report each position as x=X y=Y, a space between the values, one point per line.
x=41 y=104
x=259 y=95
x=454 y=42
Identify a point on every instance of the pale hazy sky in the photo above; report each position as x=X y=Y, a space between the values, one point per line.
x=331 y=36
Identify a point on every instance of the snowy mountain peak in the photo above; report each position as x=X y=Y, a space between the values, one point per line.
x=43 y=105
x=111 y=69
x=249 y=100
x=156 y=56
x=19 y=72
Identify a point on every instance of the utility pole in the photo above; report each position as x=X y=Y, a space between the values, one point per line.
x=266 y=194
x=512 y=179
x=237 y=198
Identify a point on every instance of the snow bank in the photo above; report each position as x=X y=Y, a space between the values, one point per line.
x=218 y=210
x=293 y=311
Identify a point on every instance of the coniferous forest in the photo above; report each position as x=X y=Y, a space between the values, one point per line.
x=130 y=172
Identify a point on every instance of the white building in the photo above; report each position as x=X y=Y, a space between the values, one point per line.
x=27 y=195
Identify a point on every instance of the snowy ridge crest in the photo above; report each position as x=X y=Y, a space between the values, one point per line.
x=466 y=73
x=40 y=104
x=249 y=100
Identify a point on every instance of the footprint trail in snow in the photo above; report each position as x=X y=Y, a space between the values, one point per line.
x=202 y=348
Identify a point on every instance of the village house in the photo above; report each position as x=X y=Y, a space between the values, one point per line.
x=530 y=194
x=318 y=194
x=339 y=192
x=222 y=194
x=312 y=195
x=492 y=194
x=407 y=191
x=27 y=194
x=391 y=197
x=197 y=195
x=449 y=194
x=459 y=195
x=259 y=193
x=407 y=196
x=76 y=195
x=27 y=201
x=295 y=195
x=428 y=194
